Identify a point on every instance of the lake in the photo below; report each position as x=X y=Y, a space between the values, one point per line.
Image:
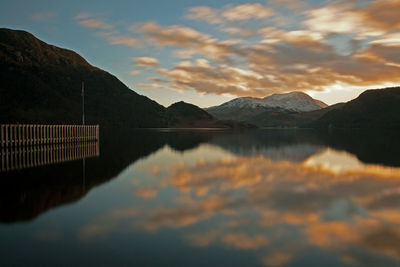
x=209 y=198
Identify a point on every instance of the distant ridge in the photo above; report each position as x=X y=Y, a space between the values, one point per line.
x=378 y=108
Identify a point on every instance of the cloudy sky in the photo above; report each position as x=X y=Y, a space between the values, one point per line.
x=208 y=52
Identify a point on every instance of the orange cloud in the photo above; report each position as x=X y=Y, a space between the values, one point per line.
x=242 y=32
x=229 y=13
x=383 y=15
x=185 y=37
x=289 y=4
x=277 y=258
x=246 y=12
x=117 y=39
x=306 y=58
x=145 y=61
x=135 y=72
x=43 y=16
x=243 y=241
x=95 y=24
x=203 y=13
x=147 y=192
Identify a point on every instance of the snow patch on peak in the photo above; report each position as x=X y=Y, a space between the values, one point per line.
x=293 y=101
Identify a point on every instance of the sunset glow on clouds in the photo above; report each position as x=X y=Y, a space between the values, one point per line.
x=256 y=54
x=277 y=208
x=331 y=49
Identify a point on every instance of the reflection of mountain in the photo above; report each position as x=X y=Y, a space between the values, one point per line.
x=275 y=144
x=373 y=146
x=27 y=193
x=378 y=147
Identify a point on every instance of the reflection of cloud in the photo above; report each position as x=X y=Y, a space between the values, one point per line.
x=331 y=234
x=93 y=231
x=278 y=207
x=343 y=162
x=277 y=258
x=147 y=192
x=243 y=241
x=385 y=240
x=49 y=235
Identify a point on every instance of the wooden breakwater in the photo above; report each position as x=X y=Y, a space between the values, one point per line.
x=33 y=134
x=21 y=157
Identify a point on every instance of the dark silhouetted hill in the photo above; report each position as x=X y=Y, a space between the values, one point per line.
x=184 y=115
x=379 y=108
x=41 y=83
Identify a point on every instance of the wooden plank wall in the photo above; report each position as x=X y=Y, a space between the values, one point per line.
x=30 y=134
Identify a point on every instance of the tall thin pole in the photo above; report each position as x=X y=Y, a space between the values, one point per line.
x=83 y=103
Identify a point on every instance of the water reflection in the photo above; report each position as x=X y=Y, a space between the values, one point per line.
x=260 y=198
x=21 y=157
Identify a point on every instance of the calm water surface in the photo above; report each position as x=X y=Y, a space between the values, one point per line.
x=210 y=198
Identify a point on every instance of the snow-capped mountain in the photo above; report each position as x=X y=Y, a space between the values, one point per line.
x=246 y=108
x=294 y=101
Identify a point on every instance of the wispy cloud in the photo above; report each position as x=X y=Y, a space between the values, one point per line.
x=116 y=39
x=204 y=13
x=43 y=16
x=145 y=61
x=185 y=37
x=242 y=12
x=95 y=24
x=266 y=57
x=246 y=12
x=134 y=72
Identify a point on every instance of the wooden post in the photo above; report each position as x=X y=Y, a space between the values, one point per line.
x=23 y=136
x=6 y=135
x=18 y=129
x=2 y=136
x=40 y=134
x=34 y=135
x=30 y=134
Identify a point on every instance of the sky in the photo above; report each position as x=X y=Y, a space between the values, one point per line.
x=208 y=52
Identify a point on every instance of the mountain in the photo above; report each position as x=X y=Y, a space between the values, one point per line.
x=257 y=110
x=377 y=108
x=271 y=118
x=41 y=83
x=185 y=115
